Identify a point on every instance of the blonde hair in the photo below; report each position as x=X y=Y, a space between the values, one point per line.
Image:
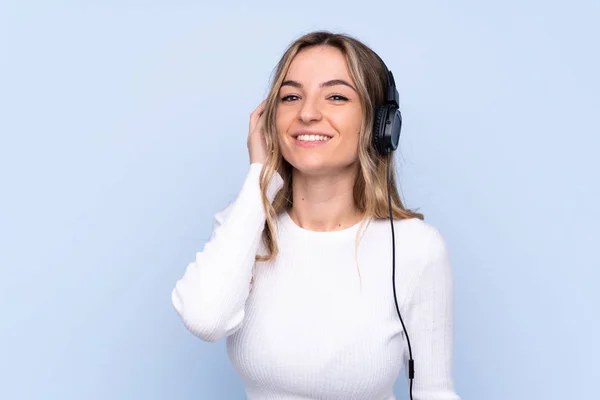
x=370 y=188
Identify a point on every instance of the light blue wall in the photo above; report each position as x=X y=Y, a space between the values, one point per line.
x=123 y=129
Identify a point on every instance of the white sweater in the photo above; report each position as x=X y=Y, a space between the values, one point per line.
x=306 y=328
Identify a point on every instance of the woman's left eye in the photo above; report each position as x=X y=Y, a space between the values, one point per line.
x=339 y=97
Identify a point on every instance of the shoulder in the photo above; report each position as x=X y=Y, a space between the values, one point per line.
x=419 y=230
x=426 y=259
x=432 y=249
x=422 y=238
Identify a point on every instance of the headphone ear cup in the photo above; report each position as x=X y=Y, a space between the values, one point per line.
x=378 y=129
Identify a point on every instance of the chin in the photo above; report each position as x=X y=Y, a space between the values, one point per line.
x=312 y=166
x=321 y=164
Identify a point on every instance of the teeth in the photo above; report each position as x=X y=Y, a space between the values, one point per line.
x=312 y=138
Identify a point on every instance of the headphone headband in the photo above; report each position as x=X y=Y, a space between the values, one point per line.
x=391 y=93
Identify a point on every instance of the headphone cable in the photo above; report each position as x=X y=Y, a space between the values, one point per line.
x=411 y=362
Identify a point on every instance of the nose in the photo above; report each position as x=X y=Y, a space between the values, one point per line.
x=310 y=111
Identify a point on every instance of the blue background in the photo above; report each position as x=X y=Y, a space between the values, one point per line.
x=123 y=129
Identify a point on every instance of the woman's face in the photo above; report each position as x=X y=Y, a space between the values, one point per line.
x=318 y=97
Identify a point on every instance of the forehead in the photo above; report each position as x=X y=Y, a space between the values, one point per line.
x=318 y=64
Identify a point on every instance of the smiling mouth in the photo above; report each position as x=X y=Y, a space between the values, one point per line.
x=312 y=138
x=310 y=142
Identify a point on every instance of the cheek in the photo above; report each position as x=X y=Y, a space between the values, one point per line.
x=350 y=129
x=349 y=126
x=283 y=121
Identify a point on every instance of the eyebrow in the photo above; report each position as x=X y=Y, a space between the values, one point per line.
x=330 y=83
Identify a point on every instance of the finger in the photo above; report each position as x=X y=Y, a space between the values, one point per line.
x=261 y=107
x=254 y=121
x=256 y=115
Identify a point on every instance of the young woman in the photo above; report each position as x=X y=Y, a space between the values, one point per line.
x=297 y=274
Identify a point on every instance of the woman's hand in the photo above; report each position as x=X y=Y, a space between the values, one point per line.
x=257 y=146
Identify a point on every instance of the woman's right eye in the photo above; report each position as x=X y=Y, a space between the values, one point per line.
x=287 y=98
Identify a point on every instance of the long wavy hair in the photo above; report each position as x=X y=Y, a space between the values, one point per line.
x=370 y=188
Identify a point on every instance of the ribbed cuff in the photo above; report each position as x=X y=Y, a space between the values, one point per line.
x=253 y=178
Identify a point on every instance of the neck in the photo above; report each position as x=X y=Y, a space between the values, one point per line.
x=324 y=203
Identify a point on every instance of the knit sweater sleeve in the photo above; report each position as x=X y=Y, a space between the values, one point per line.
x=210 y=297
x=430 y=324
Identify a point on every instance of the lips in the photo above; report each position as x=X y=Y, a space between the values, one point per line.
x=311 y=143
x=305 y=132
